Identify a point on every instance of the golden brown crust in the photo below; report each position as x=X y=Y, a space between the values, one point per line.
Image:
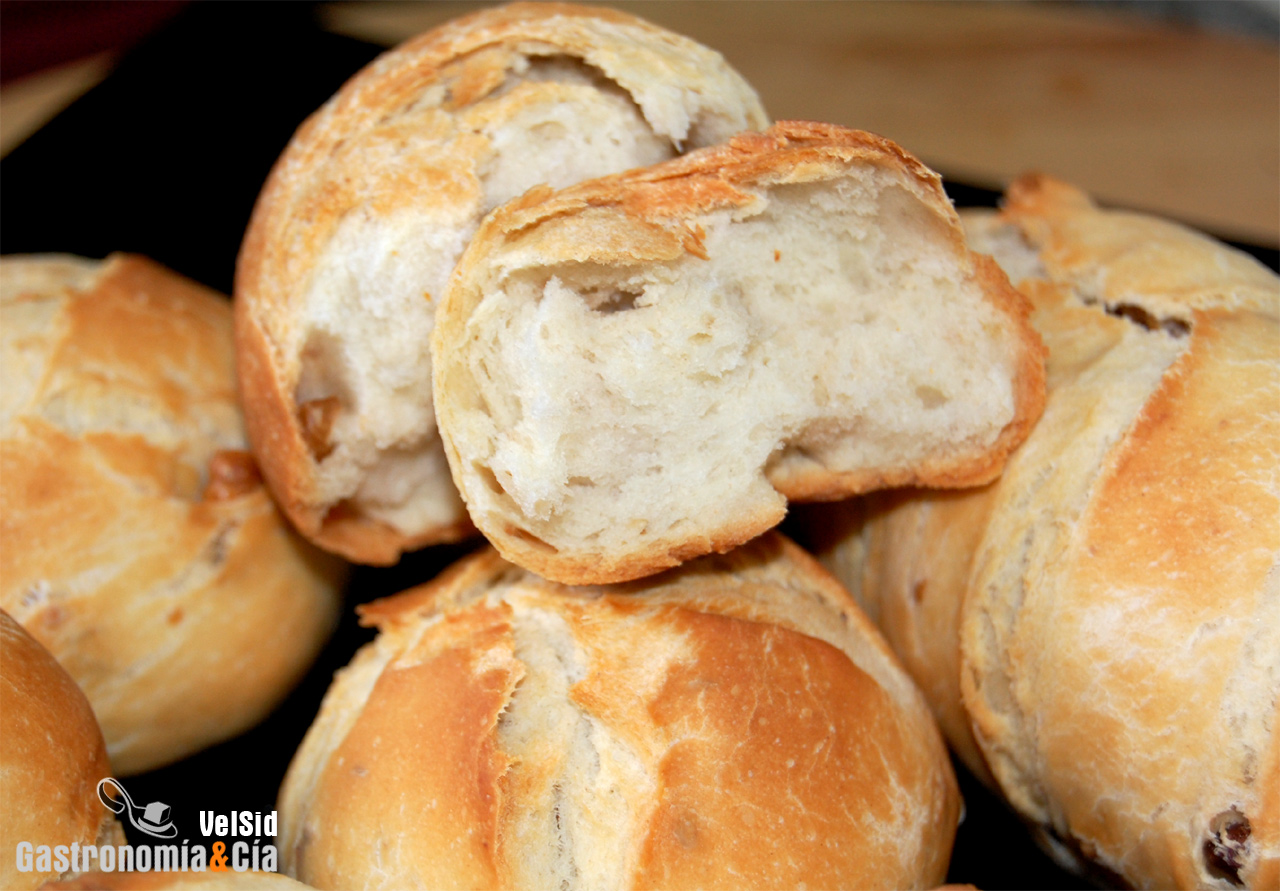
x=1120 y=258
x=1108 y=608
x=51 y=758
x=327 y=175
x=440 y=694
x=908 y=556
x=647 y=215
x=602 y=567
x=840 y=731
x=657 y=199
x=741 y=708
x=1167 y=579
x=172 y=590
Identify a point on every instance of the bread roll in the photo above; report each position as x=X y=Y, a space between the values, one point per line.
x=737 y=723
x=140 y=546
x=644 y=368
x=1101 y=627
x=360 y=224
x=51 y=758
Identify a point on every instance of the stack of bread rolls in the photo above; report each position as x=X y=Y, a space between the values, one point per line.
x=621 y=375
x=547 y=274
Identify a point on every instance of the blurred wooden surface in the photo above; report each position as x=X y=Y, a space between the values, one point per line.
x=29 y=103
x=1176 y=121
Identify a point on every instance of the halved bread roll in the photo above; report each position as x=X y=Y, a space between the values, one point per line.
x=736 y=723
x=644 y=368
x=367 y=210
x=1099 y=630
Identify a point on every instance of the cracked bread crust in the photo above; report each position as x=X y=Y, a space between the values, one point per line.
x=734 y=723
x=365 y=213
x=139 y=544
x=616 y=374
x=1109 y=610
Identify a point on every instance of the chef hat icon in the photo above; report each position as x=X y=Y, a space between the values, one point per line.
x=152 y=819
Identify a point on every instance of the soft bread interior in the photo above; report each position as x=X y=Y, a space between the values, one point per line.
x=830 y=329
x=364 y=381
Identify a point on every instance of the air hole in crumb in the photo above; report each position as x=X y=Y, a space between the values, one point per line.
x=489 y=479
x=340 y=514
x=821 y=395
x=1227 y=846
x=611 y=300
x=316 y=420
x=581 y=481
x=322 y=390
x=1139 y=316
x=930 y=397
x=529 y=538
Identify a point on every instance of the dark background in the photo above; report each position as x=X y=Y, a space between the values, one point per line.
x=165 y=158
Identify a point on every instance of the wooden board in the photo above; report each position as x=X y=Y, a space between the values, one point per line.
x=1180 y=122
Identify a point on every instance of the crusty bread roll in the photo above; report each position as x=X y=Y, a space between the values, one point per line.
x=175 y=881
x=736 y=723
x=644 y=368
x=51 y=759
x=140 y=546
x=1101 y=627
x=360 y=224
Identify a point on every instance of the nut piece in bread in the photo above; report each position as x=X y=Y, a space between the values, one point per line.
x=140 y=545
x=645 y=368
x=1100 y=629
x=51 y=759
x=736 y=723
x=368 y=209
